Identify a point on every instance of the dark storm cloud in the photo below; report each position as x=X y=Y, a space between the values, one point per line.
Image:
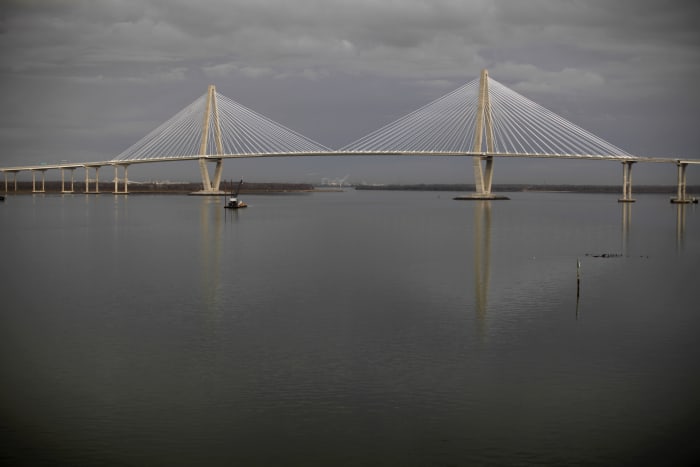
x=88 y=78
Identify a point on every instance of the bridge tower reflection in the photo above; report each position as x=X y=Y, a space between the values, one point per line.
x=680 y=226
x=626 y=221
x=211 y=228
x=482 y=260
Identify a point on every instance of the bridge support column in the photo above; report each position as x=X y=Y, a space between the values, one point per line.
x=126 y=179
x=43 y=182
x=88 y=180
x=63 y=182
x=681 y=195
x=627 y=183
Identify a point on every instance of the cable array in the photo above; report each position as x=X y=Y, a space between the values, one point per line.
x=444 y=125
x=243 y=132
x=521 y=126
x=177 y=137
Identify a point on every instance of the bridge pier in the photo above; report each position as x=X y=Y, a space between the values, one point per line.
x=72 y=179
x=125 y=179
x=43 y=181
x=14 y=180
x=627 y=182
x=88 y=179
x=681 y=195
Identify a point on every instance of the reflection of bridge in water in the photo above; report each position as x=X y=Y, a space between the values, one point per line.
x=483 y=119
x=482 y=260
x=482 y=229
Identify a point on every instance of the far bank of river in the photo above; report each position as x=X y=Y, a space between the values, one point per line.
x=661 y=189
x=25 y=187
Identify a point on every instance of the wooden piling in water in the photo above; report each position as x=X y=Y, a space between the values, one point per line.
x=578 y=277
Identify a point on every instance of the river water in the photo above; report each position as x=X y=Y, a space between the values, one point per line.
x=353 y=328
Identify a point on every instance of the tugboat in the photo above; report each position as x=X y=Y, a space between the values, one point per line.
x=233 y=202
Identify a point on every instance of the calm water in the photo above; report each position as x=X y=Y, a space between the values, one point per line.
x=355 y=328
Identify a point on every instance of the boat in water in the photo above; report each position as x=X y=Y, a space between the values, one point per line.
x=233 y=202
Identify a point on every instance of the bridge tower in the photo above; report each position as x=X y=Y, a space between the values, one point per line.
x=483 y=130
x=210 y=128
x=484 y=124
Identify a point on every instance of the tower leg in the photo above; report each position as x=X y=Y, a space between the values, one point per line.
x=488 y=176
x=217 y=174
x=478 y=176
x=206 y=181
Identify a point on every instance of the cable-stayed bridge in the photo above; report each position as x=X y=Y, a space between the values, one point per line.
x=482 y=119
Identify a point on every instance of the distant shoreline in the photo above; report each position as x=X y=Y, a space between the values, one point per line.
x=25 y=187
x=505 y=188
x=107 y=187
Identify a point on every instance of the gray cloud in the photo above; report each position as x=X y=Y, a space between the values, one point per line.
x=109 y=70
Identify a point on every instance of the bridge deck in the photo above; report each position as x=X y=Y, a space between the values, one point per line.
x=77 y=165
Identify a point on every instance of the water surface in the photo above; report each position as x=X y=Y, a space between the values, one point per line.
x=355 y=328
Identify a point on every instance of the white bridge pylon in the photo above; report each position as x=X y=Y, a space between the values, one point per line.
x=212 y=128
x=483 y=119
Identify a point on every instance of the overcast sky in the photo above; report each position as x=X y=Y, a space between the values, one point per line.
x=83 y=80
